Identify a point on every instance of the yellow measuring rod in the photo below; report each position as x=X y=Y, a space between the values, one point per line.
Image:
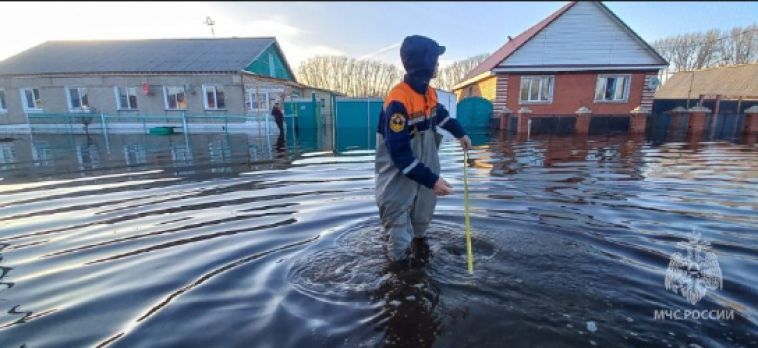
x=469 y=253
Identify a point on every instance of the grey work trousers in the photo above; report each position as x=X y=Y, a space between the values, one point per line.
x=405 y=206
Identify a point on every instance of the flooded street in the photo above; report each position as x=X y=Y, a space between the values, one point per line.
x=233 y=240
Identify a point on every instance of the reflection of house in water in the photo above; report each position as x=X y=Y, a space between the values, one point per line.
x=191 y=155
x=259 y=152
x=88 y=156
x=135 y=154
x=181 y=154
x=220 y=152
x=7 y=156
x=545 y=151
x=41 y=153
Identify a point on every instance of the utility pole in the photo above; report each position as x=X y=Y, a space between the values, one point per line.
x=209 y=22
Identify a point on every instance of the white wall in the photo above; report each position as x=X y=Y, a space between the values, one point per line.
x=449 y=101
x=585 y=34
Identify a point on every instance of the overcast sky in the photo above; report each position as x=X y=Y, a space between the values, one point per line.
x=355 y=29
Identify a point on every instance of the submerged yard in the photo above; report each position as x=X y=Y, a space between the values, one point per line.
x=235 y=240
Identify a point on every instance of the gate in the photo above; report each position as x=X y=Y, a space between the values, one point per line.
x=304 y=110
x=474 y=112
x=355 y=123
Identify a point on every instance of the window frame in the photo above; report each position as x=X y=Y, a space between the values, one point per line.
x=540 y=78
x=626 y=91
x=81 y=108
x=117 y=95
x=215 y=89
x=36 y=107
x=165 y=98
x=253 y=93
x=3 y=102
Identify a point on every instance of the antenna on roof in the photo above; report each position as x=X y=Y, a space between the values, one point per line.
x=209 y=22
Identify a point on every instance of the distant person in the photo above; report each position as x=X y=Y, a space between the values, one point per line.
x=407 y=165
x=278 y=117
x=281 y=148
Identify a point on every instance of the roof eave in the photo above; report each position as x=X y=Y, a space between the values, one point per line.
x=245 y=72
x=634 y=33
x=513 y=69
x=472 y=80
x=540 y=27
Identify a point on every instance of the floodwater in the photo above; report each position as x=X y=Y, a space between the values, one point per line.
x=230 y=240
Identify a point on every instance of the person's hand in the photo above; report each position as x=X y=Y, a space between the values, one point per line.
x=465 y=142
x=442 y=188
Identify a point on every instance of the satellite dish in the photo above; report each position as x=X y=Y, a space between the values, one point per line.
x=653 y=83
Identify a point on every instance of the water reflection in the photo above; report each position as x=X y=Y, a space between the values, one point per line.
x=408 y=316
x=7 y=156
x=81 y=155
x=182 y=152
x=140 y=240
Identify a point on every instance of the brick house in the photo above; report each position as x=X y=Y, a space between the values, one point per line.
x=582 y=55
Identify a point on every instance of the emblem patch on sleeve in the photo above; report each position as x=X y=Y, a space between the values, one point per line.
x=397 y=123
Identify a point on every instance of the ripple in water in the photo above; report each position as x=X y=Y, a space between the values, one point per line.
x=161 y=242
x=354 y=263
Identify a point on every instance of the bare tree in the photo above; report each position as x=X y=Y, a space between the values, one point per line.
x=710 y=49
x=741 y=47
x=362 y=77
x=707 y=50
x=449 y=76
x=354 y=77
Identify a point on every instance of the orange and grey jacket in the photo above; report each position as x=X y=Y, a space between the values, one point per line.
x=406 y=113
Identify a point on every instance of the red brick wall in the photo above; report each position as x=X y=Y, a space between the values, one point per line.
x=574 y=89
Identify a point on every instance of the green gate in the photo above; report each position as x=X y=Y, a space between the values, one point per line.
x=355 y=123
x=358 y=112
x=304 y=110
x=474 y=112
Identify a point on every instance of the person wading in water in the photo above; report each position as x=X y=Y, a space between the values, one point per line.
x=407 y=166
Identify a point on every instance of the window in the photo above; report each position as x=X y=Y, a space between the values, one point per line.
x=258 y=101
x=3 y=105
x=126 y=98
x=30 y=100
x=77 y=99
x=612 y=88
x=537 y=89
x=214 y=97
x=175 y=98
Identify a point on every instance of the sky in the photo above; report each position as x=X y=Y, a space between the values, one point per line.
x=356 y=29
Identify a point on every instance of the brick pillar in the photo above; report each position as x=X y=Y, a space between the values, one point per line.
x=750 y=126
x=505 y=117
x=637 y=121
x=698 y=116
x=523 y=120
x=583 y=116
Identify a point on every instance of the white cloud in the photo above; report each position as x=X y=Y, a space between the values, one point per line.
x=379 y=51
x=290 y=39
